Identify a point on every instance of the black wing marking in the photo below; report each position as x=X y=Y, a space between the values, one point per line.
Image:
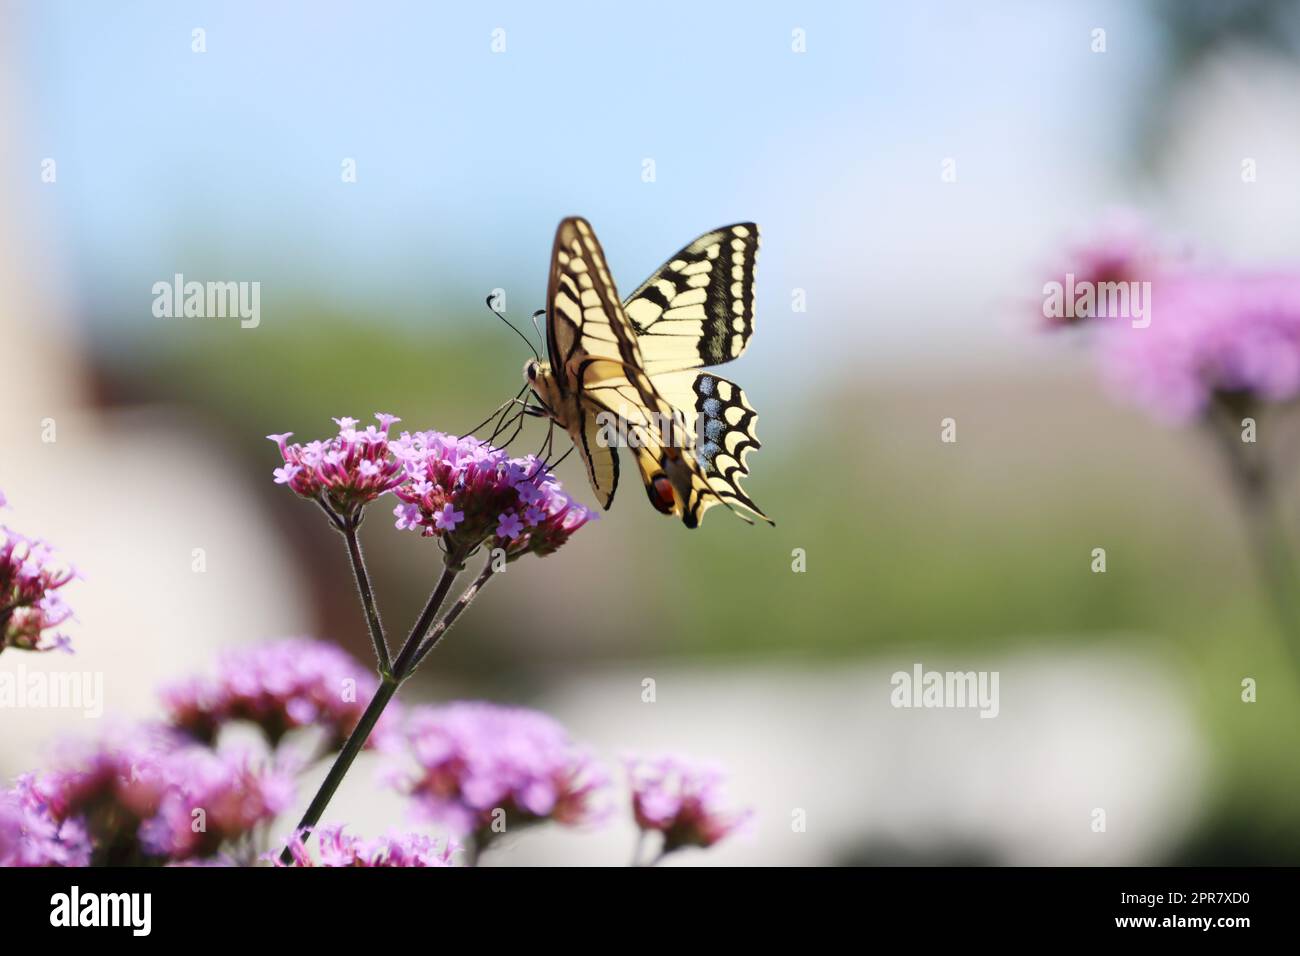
x=697 y=309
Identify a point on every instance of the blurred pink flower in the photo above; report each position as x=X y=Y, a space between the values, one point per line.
x=280 y=686
x=475 y=758
x=1121 y=248
x=1223 y=335
x=31 y=836
x=147 y=795
x=1207 y=334
x=683 y=801
x=208 y=798
x=338 y=849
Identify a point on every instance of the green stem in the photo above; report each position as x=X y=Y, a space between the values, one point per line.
x=392 y=679
x=1255 y=493
x=373 y=620
x=472 y=850
x=1276 y=565
x=343 y=762
x=456 y=611
x=405 y=663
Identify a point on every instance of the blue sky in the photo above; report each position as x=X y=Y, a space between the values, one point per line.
x=227 y=164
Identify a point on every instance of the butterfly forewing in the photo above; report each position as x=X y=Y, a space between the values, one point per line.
x=586 y=321
x=697 y=309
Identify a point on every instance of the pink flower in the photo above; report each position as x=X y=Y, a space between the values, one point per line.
x=1206 y=336
x=467 y=493
x=338 y=849
x=683 y=801
x=31 y=836
x=477 y=761
x=146 y=795
x=345 y=472
x=31 y=574
x=1214 y=336
x=281 y=686
x=509 y=525
x=448 y=518
x=1121 y=249
x=208 y=799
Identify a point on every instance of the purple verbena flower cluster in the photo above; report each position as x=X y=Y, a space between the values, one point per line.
x=1211 y=335
x=462 y=491
x=1215 y=336
x=1121 y=248
x=478 y=760
x=280 y=686
x=683 y=801
x=147 y=795
x=31 y=574
x=339 y=849
x=31 y=836
x=467 y=493
x=345 y=472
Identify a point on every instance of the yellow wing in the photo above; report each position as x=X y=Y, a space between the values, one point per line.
x=585 y=321
x=599 y=455
x=723 y=423
x=697 y=309
x=598 y=357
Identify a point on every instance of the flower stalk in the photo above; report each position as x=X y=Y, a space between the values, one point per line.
x=343 y=762
x=457 y=609
x=1256 y=495
x=373 y=621
x=460 y=491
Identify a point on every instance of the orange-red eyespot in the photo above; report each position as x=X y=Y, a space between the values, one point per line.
x=661 y=494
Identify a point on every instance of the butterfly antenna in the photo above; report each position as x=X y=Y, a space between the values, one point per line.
x=541 y=336
x=513 y=328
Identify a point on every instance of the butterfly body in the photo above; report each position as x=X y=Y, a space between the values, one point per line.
x=627 y=373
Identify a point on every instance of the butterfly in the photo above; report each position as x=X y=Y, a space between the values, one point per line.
x=628 y=373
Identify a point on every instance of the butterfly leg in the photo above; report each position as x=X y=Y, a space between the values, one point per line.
x=496 y=411
x=517 y=420
x=546 y=442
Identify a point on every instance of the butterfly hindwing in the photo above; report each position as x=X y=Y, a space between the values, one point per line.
x=723 y=425
x=599 y=457
x=697 y=309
